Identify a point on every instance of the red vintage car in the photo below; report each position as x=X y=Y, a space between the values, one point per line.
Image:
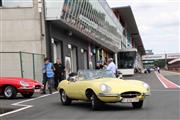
x=10 y=86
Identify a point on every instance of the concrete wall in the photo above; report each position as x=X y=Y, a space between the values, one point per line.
x=9 y=67
x=20 y=29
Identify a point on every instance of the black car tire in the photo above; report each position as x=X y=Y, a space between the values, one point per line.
x=65 y=100
x=137 y=105
x=95 y=102
x=10 y=92
x=27 y=95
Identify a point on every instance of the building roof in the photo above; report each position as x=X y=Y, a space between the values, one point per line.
x=174 y=61
x=126 y=16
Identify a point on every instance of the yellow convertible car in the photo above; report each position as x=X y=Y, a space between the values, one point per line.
x=101 y=86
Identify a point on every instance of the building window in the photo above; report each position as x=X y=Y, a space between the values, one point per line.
x=92 y=18
x=16 y=3
x=0 y=2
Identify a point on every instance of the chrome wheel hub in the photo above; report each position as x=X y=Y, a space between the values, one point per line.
x=63 y=96
x=8 y=92
x=92 y=101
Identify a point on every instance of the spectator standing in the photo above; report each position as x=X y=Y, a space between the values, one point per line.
x=111 y=66
x=59 y=70
x=158 y=69
x=48 y=75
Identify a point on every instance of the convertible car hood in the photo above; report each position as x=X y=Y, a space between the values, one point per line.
x=116 y=81
x=119 y=85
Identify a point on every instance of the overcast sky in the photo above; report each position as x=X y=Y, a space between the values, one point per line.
x=158 y=23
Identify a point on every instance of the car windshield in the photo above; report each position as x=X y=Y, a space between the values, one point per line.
x=95 y=74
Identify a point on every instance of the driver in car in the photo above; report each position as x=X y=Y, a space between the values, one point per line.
x=72 y=77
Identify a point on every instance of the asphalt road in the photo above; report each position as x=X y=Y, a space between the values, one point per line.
x=173 y=76
x=163 y=104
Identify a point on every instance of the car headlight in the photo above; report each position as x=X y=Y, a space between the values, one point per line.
x=105 y=88
x=24 y=84
x=146 y=85
x=147 y=88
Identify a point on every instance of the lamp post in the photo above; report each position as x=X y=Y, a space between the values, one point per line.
x=166 y=66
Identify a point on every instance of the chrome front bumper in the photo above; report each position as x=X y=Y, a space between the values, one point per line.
x=26 y=88
x=118 y=95
x=109 y=95
x=30 y=88
x=147 y=94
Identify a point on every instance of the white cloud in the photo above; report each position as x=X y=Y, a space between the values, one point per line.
x=158 y=22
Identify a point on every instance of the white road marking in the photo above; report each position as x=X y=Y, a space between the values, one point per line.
x=172 y=83
x=19 y=104
x=166 y=80
x=161 y=80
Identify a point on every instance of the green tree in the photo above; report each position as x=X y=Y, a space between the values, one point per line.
x=159 y=63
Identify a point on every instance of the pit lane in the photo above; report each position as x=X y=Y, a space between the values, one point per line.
x=162 y=104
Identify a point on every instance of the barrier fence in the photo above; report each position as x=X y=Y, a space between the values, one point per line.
x=21 y=64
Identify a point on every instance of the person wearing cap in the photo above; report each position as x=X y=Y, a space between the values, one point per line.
x=48 y=75
x=111 y=65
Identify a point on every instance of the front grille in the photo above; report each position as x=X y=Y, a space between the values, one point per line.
x=130 y=94
x=37 y=87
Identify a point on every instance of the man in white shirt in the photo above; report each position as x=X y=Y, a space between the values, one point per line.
x=111 y=66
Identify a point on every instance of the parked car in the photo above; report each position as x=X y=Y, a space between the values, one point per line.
x=10 y=86
x=101 y=86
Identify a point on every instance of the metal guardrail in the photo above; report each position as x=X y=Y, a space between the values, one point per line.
x=21 y=64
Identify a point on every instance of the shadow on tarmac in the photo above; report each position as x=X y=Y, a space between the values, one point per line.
x=4 y=110
x=103 y=107
x=17 y=98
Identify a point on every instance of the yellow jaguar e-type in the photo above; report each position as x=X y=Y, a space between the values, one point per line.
x=101 y=86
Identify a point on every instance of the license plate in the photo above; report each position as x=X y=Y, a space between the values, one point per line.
x=37 y=90
x=128 y=100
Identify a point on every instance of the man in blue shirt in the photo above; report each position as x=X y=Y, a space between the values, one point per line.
x=48 y=75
